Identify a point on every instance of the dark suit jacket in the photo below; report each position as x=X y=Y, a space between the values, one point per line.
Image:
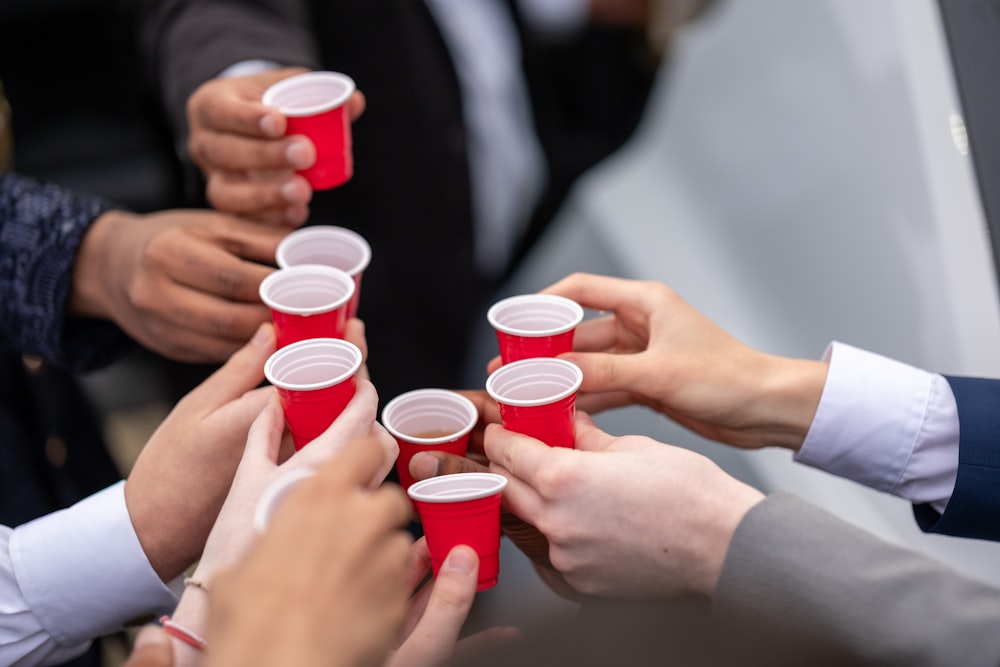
x=974 y=508
x=52 y=453
x=410 y=195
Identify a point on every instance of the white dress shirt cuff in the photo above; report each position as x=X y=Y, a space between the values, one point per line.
x=248 y=67
x=83 y=572
x=887 y=425
x=555 y=17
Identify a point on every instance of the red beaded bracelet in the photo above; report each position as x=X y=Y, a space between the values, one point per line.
x=182 y=633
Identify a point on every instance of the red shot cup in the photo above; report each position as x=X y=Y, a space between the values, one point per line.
x=534 y=325
x=327 y=245
x=315 y=105
x=428 y=420
x=537 y=397
x=308 y=301
x=315 y=379
x=462 y=509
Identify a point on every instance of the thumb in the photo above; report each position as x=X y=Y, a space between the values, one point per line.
x=151 y=649
x=241 y=373
x=589 y=437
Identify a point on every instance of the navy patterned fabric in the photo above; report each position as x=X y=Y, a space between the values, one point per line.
x=41 y=227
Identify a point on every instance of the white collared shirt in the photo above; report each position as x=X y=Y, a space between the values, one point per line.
x=71 y=576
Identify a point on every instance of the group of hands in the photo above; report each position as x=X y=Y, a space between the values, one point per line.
x=336 y=573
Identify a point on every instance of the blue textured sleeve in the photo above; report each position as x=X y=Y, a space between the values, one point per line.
x=974 y=508
x=41 y=228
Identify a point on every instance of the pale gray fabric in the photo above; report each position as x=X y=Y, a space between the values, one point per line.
x=795 y=566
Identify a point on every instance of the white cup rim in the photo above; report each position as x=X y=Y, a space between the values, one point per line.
x=497 y=308
x=306 y=234
x=305 y=78
x=516 y=366
x=453 y=396
x=493 y=484
x=307 y=269
x=274 y=492
x=298 y=347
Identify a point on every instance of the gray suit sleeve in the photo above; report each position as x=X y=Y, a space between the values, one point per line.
x=187 y=42
x=797 y=567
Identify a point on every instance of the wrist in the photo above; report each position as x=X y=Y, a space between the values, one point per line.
x=89 y=295
x=730 y=507
x=788 y=400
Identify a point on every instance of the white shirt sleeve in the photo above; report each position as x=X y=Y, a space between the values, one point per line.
x=887 y=425
x=248 y=67
x=72 y=576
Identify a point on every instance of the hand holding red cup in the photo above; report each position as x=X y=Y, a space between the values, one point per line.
x=315 y=105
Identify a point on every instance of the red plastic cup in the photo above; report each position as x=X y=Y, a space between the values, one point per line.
x=338 y=247
x=315 y=379
x=537 y=397
x=308 y=301
x=534 y=325
x=315 y=105
x=462 y=509
x=428 y=420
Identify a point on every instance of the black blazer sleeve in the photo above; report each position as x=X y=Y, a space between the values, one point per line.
x=187 y=42
x=974 y=508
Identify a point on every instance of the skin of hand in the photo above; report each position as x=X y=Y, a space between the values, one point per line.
x=525 y=537
x=439 y=609
x=656 y=350
x=180 y=480
x=151 y=649
x=625 y=517
x=620 y=12
x=324 y=585
x=241 y=147
x=233 y=532
x=183 y=283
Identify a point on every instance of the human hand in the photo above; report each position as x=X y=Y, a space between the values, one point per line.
x=182 y=283
x=324 y=584
x=528 y=539
x=439 y=609
x=267 y=458
x=181 y=478
x=241 y=147
x=625 y=517
x=151 y=649
x=620 y=12
x=657 y=350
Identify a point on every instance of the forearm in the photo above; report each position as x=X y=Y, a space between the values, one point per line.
x=42 y=227
x=806 y=573
x=189 y=42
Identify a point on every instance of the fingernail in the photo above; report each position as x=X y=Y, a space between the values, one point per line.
x=424 y=465
x=461 y=559
x=300 y=154
x=269 y=125
x=294 y=191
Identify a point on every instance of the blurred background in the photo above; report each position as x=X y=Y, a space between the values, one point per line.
x=800 y=172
